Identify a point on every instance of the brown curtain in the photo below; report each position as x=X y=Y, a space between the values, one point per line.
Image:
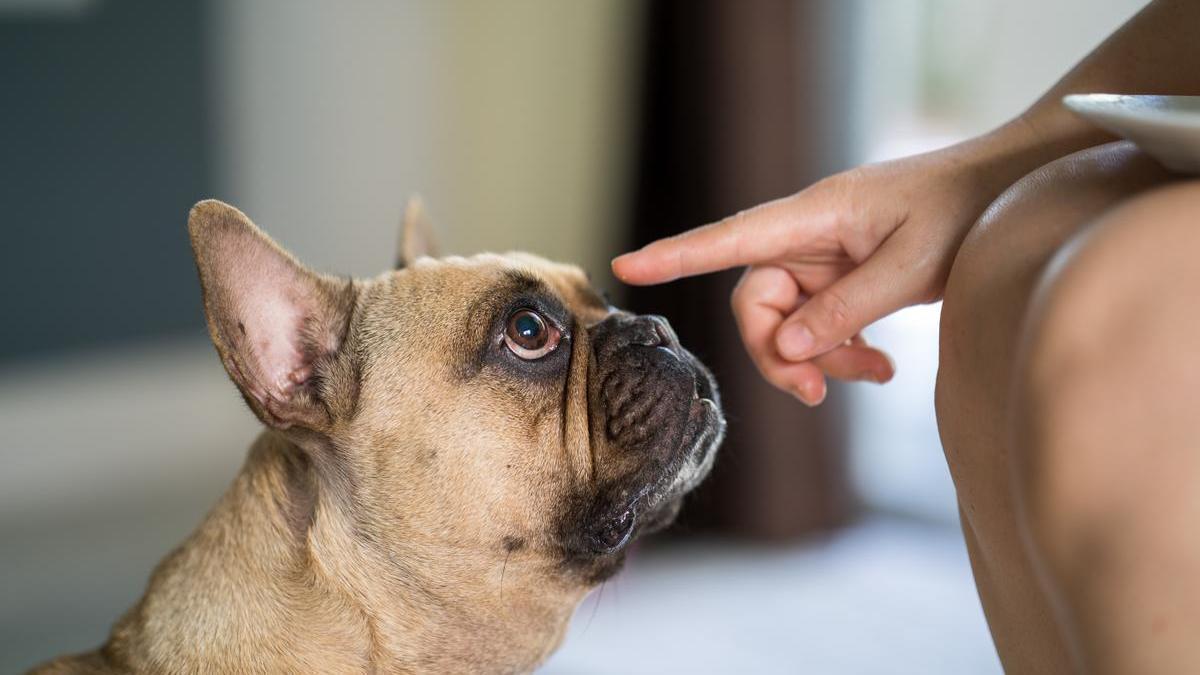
x=731 y=116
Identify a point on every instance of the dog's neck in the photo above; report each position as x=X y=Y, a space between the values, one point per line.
x=279 y=578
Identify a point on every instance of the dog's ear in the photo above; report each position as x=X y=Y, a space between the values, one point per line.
x=276 y=325
x=416 y=234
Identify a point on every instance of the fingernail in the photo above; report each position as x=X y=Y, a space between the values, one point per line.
x=803 y=398
x=795 y=341
x=810 y=394
x=878 y=377
x=886 y=374
x=623 y=260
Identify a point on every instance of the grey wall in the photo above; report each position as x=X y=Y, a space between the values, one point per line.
x=103 y=146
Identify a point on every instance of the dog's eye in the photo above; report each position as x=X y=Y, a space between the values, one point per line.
x=530 y=336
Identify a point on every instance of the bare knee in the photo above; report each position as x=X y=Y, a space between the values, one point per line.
x=996 y=270
x=1007 y=248
x=1104 y=382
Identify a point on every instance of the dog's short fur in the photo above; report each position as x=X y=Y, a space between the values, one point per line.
x=424 y=499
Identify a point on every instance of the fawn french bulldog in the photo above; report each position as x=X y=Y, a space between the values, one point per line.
x=455 y=453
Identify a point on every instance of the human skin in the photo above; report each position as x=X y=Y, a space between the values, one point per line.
x=828 y=261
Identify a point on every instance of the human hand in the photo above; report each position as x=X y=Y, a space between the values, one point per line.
x=828 y=261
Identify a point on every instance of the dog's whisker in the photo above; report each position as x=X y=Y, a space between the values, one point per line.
x=596 y=606
x=503 y=569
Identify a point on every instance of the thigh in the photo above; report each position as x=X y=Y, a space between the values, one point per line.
x=1108 y=436
x=986 y=301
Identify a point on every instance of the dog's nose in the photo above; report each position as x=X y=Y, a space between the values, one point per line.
x=646 y=331
x=624 y=330
x=652 y=330
x=662 y=330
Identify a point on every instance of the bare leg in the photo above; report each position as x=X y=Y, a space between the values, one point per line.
x=986 y=302
x=1107 y=410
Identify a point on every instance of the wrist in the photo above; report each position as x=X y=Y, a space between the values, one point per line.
x=1001 y=157
x=1038 y=136
x=1012 y=150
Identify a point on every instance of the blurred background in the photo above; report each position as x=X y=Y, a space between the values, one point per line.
x=827 y=540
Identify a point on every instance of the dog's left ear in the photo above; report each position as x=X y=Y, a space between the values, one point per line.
x=277 y=325
x=416 y=234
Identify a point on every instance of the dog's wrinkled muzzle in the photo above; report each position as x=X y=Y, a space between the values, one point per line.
x=646 y=385
x=662 y=419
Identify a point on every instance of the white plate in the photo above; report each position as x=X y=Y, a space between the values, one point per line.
x=1166 y=127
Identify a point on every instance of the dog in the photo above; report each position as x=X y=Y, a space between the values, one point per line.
x=455 y=453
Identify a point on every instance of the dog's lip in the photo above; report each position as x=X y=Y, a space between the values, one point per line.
x=630 y=518
x=704 y=418
x=701 y=412
x=702 y=387
x=637 y=500
x=655 y=492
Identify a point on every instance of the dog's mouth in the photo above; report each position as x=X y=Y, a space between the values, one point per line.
x=704 y=430
x=656 y=418
x=656 y=502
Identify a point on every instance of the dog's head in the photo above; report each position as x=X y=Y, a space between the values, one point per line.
x=495 y=405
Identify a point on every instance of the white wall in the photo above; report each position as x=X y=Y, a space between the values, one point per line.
x=946 y=69
x=324 y=118
x=511 y=118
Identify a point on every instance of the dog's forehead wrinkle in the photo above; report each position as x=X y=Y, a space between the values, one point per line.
x=515 y=272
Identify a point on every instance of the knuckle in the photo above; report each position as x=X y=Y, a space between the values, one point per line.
x=922 y=289
x=737 y=298
x=849 y=177
x=929 y=277
x=747 y=290
x=737 y=218
x=737 y=306
x=733 y=223
x=835 y=312
x=739 y=289
x=927 y=292
x=845 y=184
x=678 y=261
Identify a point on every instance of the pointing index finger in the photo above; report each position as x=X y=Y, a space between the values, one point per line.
x=746 y=238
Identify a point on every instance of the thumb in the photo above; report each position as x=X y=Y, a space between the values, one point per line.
x=839 y=312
